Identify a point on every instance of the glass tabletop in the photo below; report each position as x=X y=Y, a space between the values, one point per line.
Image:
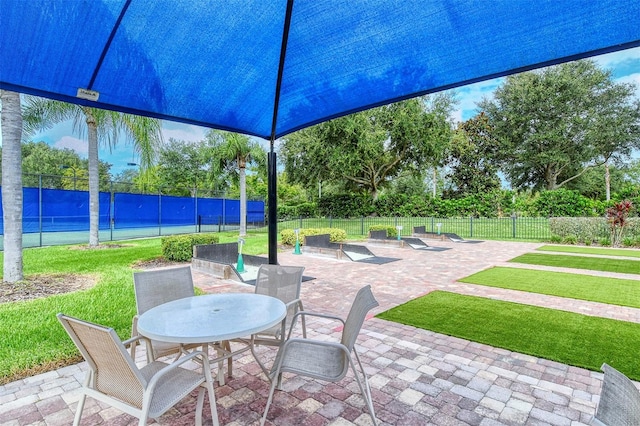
x=212 y=317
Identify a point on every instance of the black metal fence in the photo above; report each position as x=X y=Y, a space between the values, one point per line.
x=518 y=228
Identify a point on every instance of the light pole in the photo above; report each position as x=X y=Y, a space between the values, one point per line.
x=132 y=187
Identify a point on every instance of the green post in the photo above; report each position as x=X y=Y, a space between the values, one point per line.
x=240 y=264
x=297 y=249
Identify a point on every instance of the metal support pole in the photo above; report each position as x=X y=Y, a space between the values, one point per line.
x=271 y=157
x=112 y=210
x=40 y=207
x=273 y=207
x=159 y=211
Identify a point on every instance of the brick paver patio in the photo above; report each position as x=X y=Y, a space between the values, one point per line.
x=418 y=377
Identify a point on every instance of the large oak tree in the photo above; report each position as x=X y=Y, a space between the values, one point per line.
x=555 y=123
x=365 y=150
x=471 y=159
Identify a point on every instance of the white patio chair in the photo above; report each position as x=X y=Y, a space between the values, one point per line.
x=323 y=360
x=114 y=378
x=619 y=400
x=155 y=287
x=281 y=282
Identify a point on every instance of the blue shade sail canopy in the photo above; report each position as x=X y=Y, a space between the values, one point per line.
x=270 y=67
x=218 y=63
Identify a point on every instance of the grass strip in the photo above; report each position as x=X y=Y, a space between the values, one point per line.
x=565 y=337
x=592 y=250
x=624 y=266
x=614 y=291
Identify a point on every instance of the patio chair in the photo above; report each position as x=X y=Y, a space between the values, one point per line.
x=155 y=287
x=114 y=378
x=619 y=400
x=325 y=360
x=282 y=282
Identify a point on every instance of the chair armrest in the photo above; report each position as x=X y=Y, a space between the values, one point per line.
x=294 y=302
x=134 y=339
x=313 y=314
x=134 y=325
x=316 y=314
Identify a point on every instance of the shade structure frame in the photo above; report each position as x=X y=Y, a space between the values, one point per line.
x=267 y=69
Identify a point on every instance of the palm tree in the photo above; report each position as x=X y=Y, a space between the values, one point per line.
x=235 y=151
x=12 y=185
x=101 y=125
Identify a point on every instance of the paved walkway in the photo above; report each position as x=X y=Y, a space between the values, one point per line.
x=418 y=377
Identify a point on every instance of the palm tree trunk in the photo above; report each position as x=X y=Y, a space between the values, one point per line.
x=243 y=201
x=94 y=183
x=12 y=185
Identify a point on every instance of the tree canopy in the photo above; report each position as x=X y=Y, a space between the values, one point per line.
x=365 y=150
x=554 y=124
x=473 y=169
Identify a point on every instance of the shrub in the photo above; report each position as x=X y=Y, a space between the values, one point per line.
x=562 y=203
x=391 y=230
x=581 y=228
x=288 y=212
x=617 y=216
x=288 y=236
x=179 y=248
x=570 y=239
x=345 y=205
x=605 y=242
x=557 y=239
x=628 y=242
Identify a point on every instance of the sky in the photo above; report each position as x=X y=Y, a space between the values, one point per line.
x=624 y=65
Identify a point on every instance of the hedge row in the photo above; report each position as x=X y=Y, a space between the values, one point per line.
x=500 y=203
x=392 y=232
x=179 y=248
x=590 y=230
x=288 y=236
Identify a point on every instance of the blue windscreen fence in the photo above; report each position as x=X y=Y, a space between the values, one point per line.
x=58 y=210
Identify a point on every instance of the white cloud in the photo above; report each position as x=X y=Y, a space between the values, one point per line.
x=184 y=132
x=611 y=60
x=75 y=144
x=469 y=96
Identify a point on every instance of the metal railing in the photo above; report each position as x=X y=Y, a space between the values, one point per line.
x=505 y=228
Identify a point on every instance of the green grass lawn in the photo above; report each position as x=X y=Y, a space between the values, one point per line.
x=580 y=262
x=614 y=291
x=592 y=250
x=31 y=334
x=569 y=338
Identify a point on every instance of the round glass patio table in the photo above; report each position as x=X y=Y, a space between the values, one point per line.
x=211 y=318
